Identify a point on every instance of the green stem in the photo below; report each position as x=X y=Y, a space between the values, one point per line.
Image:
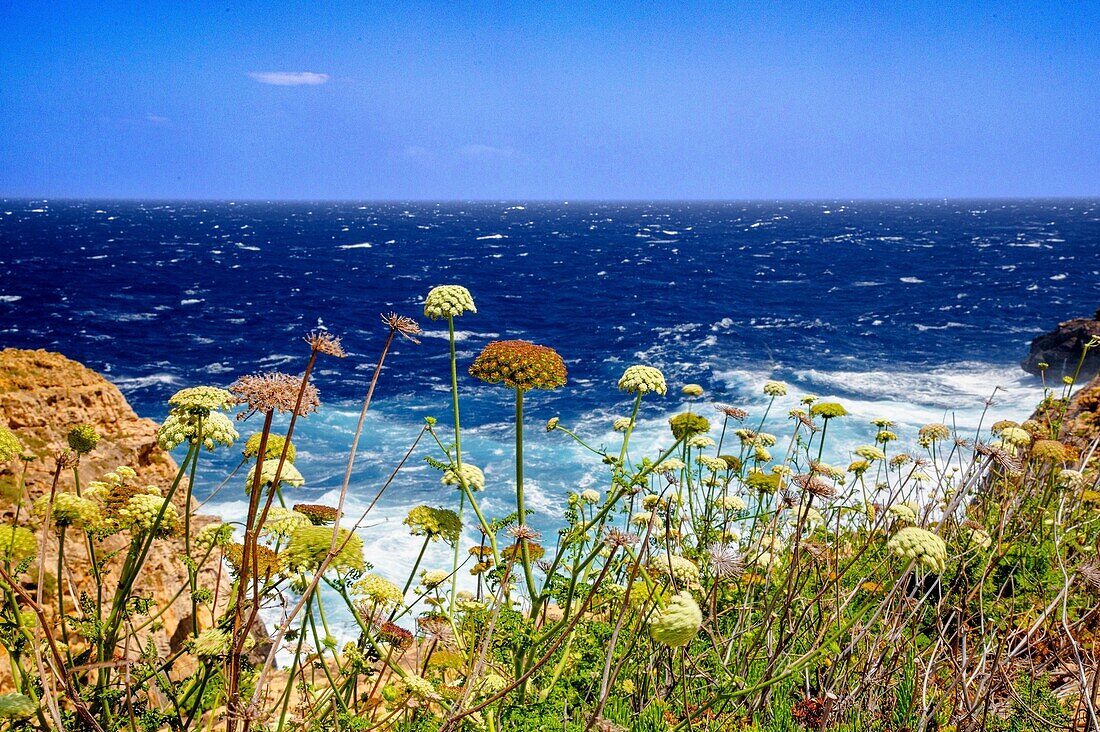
x=524 y=553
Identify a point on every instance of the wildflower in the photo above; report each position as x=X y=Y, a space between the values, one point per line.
x=760 y=454
x=418 y=686
x=141 y=511
x=923 y=546
x=275 y=391
x=808 y=516
x=699 y=441
x=448 y=301
x=213 y=535
x=1089 y=572
x=671 y=464
x=82 y=439
x=17 y=543
x=408 y=328
x=471 y=475
x=309 y=545
x=713 y=464
x=433 y=578
x=692 y=390
x=590 y=495
x=16 y=706
x=775 y=389
x=808 y=399
x=763 y=482
x=858 y=467
x=10 y=446
x=974 y=535
x=520 y=365
x=688 y=424
x=288 y=476
x=68 y=509
x=217 y=429
x=732 y=462
x=267 y=561
x=523 y=532
x=678 y=623
x=900 y=459
x=734 y=413
x=282 y=522
x=1051 y=451
x=730 y=503
x=515 y=551
x=904 y=511
x=640 y=519
x=934 y=432
x=321 y=341
x=621 y=424
x=883 y=424
x=640 y=379
x=621 y=538
x=1016 y=436
x=273 y=449
x=681 y=569
x=725 y=561
x=318 y=515
x=379 y=591
x=828 y=410
x=213 y=643
x=884 y=436
x=870 y=453
x=1072 y=479
x=200 y=400
x=434 y=523
x=395 y=635
x=627 y=686
x=1001 y=425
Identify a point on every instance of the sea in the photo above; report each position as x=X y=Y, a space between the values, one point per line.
x=915 y=311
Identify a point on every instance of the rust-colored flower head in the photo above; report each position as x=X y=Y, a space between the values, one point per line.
x=324 y=342
x=395 y=635
x=519 y=365
x=275 y=391
x=406 y=327
x=318 y=515
x=814 y=485
x=267 y=561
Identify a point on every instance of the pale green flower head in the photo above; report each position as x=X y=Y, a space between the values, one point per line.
x=975 y=536
x=211 y=643
x=378 y=591
x=141 y=511
x=448 y=301
x=934 y=432
x=82 y=438
x=213 y=535
x=16 y=706
x=217 y=429
x=1072 y=479
x=713 y=464
x=309 y=545
x=870 y=453
x=17 y=543
x=692 y=390
x=678 y=623
x=10 y=446
x=289 y=475
x=590 y=495
x=1016 y=436
x=926 y=548
x=671 y=464
x=828 y=410
x=273 y=448
x=435 y=523
x=640 y=379
x=775 y=389
x=905 y=511
x=418 y=687
x=621 y=424
x=282 y=522
x=730 y=503
x=68 y=509
x=471 y=474
x=682 y=569
x=432 y=578
x=201 y=400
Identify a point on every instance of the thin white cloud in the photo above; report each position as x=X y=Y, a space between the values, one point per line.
x=289 y=78
x=478 y=150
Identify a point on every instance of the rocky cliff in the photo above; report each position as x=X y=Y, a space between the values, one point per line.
x=1061 y=349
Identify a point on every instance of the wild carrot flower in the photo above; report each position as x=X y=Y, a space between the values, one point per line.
x=733 y=413
x=379 y=591
x=16 y=706
x=201 y=400
x=272 y=451
x=267 y=561
x=141 y=511
x=1001 y=425
x=590 y=495
x=10 y=446
x=713 y=464
x=640 y=379
x=288 y=476
x=82 y=438
x=688 y=424
x=309 y=545
x=520 y=365
x=904 y=511
x=870 y=453
x=434 y=523
x=68 y=509
x=677 y=623
x=432 y=578
x=471 y=474
x=317 y=514
x=275 y=392
x=213 y=535
x=730 y=503
x=763 y=482
x=775 y=389
x=212 y=643
x=934 y=432
x=621 y=424
x=926 y=548
x=671 y=464
x=282 y=522
x=974 y=535
x=682 y=569
x=17 y=543
x=1052 y=451
x=692 y=390
x=217 y=429
x=1072 y=479
x=1016 y=436
x=885 y=436
x=828 y=410
x=321 y=341
x=448 y=301
x=418 y=687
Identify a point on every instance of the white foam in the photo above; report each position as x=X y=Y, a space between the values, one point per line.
x=361 y=245
x=911 y=280
x=10 y=298
x=492 y=236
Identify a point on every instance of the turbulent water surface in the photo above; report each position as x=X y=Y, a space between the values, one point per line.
x=914 y=311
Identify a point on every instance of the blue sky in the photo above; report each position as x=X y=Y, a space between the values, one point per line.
x=504 y=100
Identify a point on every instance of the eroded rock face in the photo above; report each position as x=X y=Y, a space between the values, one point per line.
x=42 y=395
x=1061 y=349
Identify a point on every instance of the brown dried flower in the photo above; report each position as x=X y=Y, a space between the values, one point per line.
x=814 y=485
x=324 y=342
x=319 y=515
x=405 y=326
x=732 y=412
x=275 y=391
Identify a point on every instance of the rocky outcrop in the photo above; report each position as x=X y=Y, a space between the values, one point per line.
x=1061 y=349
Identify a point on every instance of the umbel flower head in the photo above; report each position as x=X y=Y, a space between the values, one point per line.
x=309 y=545
x=68 y=509
x=321 y=341
x=434 y=523
x=407 y=327
x=275 y=392
x=379 y=591
x=520 y=365
x=688 y=424
x=681 y=569
x=317 y=514
x=217 y=429
x=448 y=301
x=273 y=449
x=282 y=522
x=200 y=400
x=267 y=561
x=926 y=548
x=775 y=389
x=10 y=446
x=640 y=379
x=17 y=543
x=82 y=438
x=678 y=623
x=692 y=390
x=288 y=476
x=141 y=511
x=471 y=475
x=213 y=643
x=16 y=706
x=828 y=410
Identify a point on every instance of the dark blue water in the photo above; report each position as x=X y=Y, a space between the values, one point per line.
x=914 y=311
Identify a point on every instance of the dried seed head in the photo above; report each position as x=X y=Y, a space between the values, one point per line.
x=324 y=342
x=726 y=561
x=404 y=326
x=732 y=412
x=523 y=533
x=814 y=485
x=275 y=391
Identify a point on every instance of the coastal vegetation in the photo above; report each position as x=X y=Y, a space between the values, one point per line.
x=732 y=579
